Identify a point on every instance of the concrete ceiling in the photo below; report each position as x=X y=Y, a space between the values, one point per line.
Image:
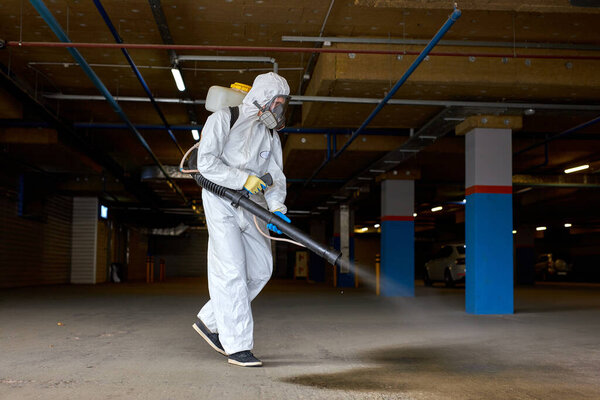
x=554 y=61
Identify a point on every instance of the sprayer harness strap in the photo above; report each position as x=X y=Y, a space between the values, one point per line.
x=235 y=113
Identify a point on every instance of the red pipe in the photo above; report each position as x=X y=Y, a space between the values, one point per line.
x=143 y=46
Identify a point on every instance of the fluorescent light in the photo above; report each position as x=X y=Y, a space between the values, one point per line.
x=195 y=134
x=514 y=232
x=376 y=226
x=568 y=225
x=540 y=228
x=415 y=215
x=363 y=229
x=575 y=169
x=178 y=79
x=103 y=212
x=527 y=189
x=438 y=208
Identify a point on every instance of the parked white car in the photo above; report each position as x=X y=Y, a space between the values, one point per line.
x=447 y=265
x=548 y=266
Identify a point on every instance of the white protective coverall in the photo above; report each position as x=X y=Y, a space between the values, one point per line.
x=240 y=261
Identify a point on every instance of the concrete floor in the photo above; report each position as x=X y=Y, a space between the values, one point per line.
x=135 y=341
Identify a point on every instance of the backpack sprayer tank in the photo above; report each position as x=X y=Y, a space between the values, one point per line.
x=219 y=97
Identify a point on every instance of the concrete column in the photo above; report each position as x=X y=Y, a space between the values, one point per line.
x=488 y=221
x=397 y=238
x=344 y=241
x=84 y=234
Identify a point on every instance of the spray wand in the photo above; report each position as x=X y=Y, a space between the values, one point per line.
x=239 y=198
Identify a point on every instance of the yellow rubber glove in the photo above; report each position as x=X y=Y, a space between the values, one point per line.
x=254 y=184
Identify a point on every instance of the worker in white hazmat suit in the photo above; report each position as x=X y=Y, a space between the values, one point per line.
x=239 y=258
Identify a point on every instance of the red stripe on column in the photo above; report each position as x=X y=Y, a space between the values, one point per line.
x=488 y=189
x=397 y=218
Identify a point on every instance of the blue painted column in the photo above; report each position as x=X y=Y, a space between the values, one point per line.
x=488 y=221
x=397 y=238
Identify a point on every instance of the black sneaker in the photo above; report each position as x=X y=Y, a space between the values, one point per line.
x=211 y=338
x=244 y=359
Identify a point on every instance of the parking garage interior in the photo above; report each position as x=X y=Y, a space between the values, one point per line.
x=450 y=152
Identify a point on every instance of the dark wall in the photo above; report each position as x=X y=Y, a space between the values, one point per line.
x=184 y=255
x=35 y=250
x=137 y=248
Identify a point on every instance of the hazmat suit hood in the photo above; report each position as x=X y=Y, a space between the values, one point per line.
x=264 y=88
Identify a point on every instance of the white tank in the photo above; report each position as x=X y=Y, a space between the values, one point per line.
x=219 y=97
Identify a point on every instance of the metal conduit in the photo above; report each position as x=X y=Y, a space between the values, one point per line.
x=110 y=125
x=309 y=131
x=231 y=59
x=58 y=31
x=118 y=39
x=436 y=38
x=143 y=46
x=357 y=100
x=455 y=43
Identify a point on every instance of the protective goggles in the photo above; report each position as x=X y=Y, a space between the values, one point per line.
x=272 y=114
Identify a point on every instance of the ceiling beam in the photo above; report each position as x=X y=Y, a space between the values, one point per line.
x=566 y=181
x=546 y=6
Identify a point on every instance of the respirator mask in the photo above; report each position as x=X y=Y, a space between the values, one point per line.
x=272 y=114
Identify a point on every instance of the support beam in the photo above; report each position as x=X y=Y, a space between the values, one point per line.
x=579 y=181
x=548 y=6
x=512 y=122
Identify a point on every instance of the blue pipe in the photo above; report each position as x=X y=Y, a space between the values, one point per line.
x=62 y=36
x=135 y=69
x=436 y=38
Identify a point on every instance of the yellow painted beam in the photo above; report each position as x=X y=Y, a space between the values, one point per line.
x=513 y=122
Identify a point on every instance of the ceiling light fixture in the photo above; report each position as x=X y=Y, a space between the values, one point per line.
x=575 y=169
x=568 y=225
x=514 y=232
x=414 y=215
x=195 y=134
x=438 y=208
x=540 y=228
x=178 y=79
x=376 y=226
